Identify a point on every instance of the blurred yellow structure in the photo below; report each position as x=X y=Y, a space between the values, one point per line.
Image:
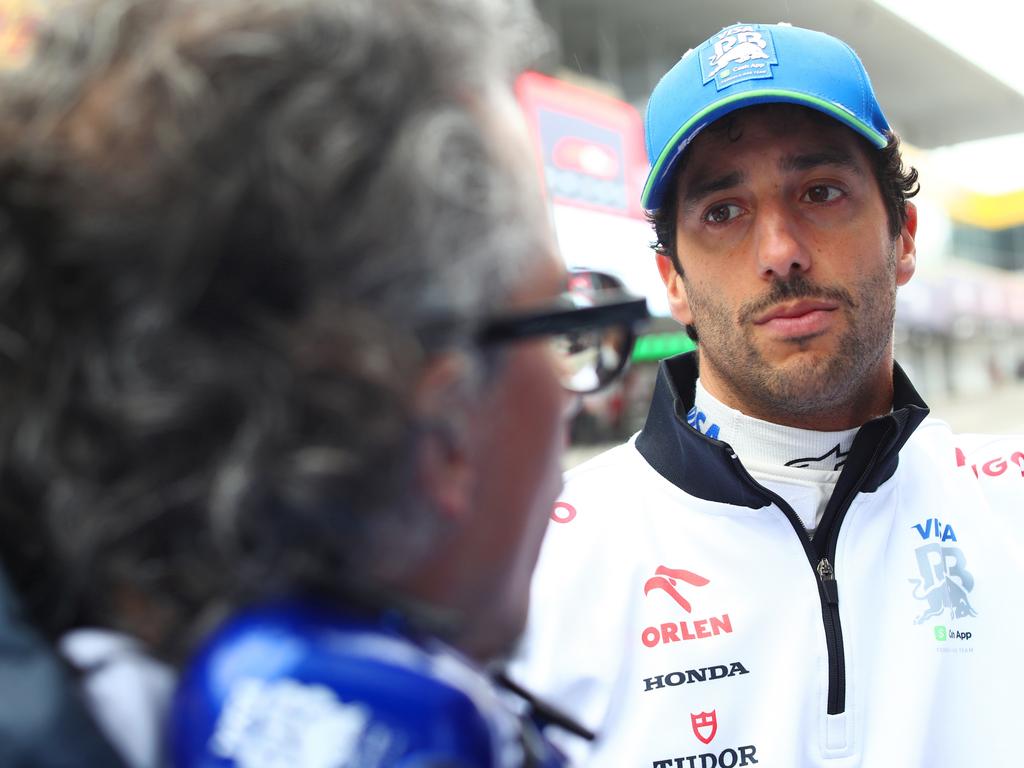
x=987 y=211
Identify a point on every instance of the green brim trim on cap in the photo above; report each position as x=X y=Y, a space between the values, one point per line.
x=786 y=96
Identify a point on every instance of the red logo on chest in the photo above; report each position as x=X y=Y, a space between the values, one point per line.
x=705 y=725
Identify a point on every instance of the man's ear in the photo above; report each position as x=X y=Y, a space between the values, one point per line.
x=906 y=247
x=444 y=454
x=678 y=303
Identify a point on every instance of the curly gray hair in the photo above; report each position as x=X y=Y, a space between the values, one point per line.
x=221 y=226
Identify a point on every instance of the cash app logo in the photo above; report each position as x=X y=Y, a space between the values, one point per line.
x=940 y=634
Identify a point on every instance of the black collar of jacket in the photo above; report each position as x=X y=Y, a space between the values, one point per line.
x=705 y=467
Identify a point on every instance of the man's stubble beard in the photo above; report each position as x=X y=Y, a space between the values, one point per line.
x=810 y=385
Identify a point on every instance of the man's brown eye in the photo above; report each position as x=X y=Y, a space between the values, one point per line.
x=822 y=193
x=720 y=214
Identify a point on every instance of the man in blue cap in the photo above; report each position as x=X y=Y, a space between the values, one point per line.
x=789 y=565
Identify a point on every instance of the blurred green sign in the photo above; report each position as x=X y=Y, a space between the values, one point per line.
x=658 y=346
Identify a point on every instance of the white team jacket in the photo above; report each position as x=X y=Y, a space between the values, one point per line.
x=681 y=611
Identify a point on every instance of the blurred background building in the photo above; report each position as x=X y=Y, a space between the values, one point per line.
x=948 y=77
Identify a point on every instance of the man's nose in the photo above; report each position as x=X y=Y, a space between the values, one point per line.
x=780 y=251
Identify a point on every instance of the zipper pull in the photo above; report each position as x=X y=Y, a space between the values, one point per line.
x=828 y=581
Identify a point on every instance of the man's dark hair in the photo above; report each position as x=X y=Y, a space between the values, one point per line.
x=897 y=183
x=222 y=225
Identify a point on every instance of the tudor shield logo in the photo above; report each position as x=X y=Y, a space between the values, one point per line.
x=705 y=725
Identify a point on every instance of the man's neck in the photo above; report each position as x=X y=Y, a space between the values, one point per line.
x=764 y=444
x=871 y=399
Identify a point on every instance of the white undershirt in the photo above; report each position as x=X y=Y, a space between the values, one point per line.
x=800 y=465
x=127 y=692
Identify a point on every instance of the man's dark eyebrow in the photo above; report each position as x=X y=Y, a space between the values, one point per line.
x=810 y=160
x=706 y=185
x=700 y=187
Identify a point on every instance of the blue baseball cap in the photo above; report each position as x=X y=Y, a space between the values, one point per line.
x=747 y=64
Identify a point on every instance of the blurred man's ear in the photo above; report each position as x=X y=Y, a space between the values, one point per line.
x=678 y=303
x=906 y=248
x=444 y=466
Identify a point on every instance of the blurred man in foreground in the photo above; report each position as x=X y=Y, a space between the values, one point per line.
x=276 y=347
x=789 y=565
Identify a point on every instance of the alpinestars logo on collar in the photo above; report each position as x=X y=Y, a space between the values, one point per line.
x=835 y=456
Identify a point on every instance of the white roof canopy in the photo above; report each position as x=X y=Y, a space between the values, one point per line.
x=931 y=94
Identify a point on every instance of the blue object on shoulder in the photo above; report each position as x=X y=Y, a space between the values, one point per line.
x=301 y=686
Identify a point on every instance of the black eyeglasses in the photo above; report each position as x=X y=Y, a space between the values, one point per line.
x=592 y=328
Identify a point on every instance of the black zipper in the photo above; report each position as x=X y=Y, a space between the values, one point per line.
x=828 y=589
x=826 y=575
x=822 y=559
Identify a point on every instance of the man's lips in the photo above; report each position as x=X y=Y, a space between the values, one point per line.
x=795 y=309
x=799 y=318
